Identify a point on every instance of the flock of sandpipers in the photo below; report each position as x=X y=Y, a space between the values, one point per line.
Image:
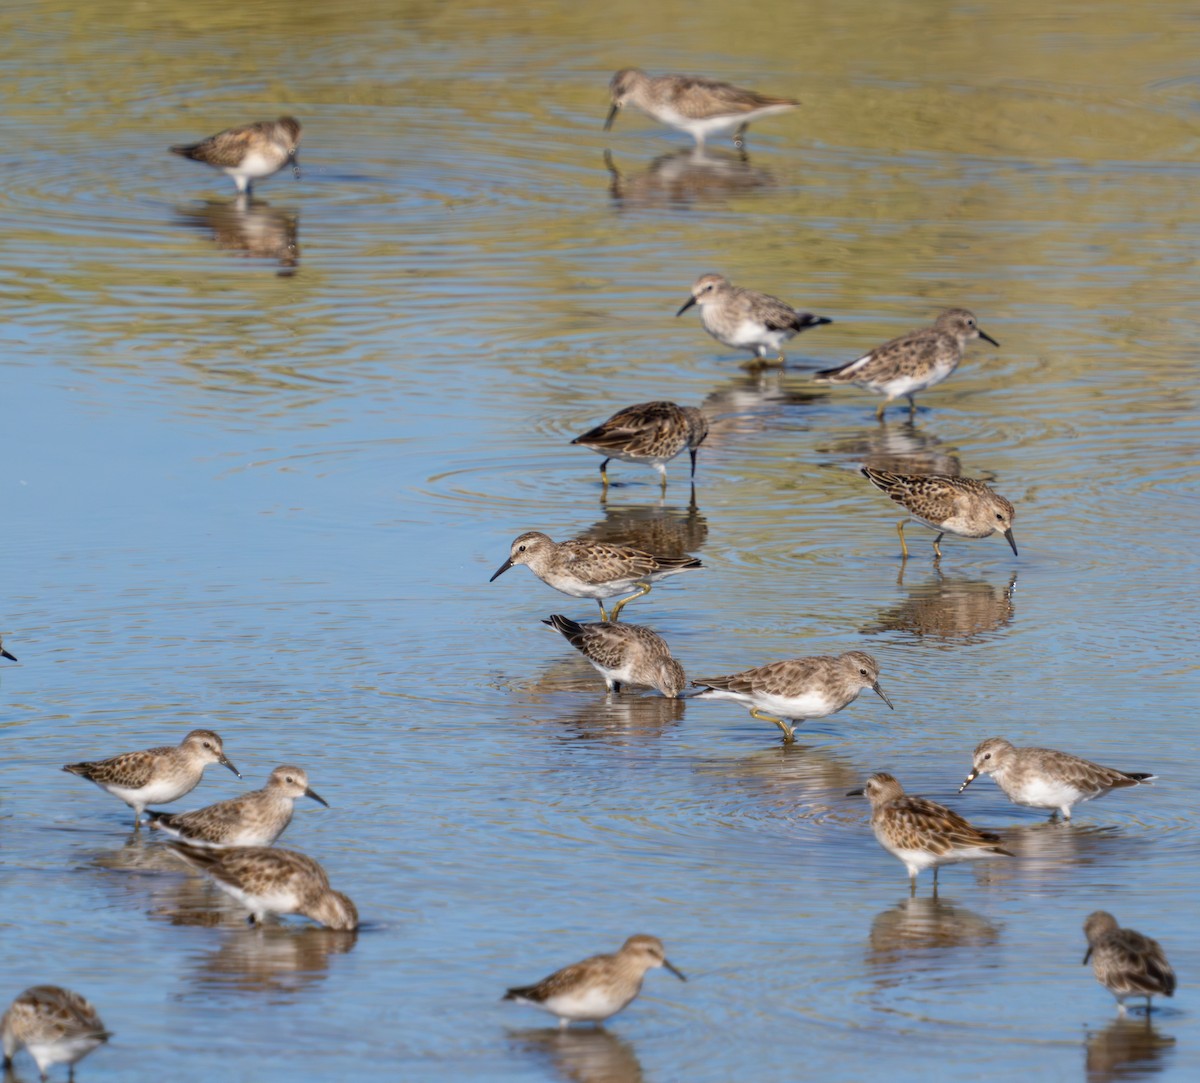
x=232 y=841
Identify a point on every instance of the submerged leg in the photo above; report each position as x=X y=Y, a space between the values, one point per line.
x=900 y=531
x=789 y=732
x=937 y=549
x=614 y=613
x=604 y=471
x=662 y=476
x=912 y=407
x=882 y=409
x=738 y=141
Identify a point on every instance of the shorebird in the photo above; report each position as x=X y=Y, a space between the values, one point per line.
x=1125 y=962
x=912 y=362
x=652 y=433
x=961 y=506
x=1045 y=778
x=256 y=818
x=591 y=569
x=597 y=988
x=745 y=319
x=798 y=689
x=922 y=833
x=700 y=107
x=624 y=654
x=250 y=152
x=56 y=1025
x=155 y=776
x=268 y=881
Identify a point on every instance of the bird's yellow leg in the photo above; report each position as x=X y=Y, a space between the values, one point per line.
x=882 y=407
x=900 y=531
x=603 y=615
x=614 y=613
x=937 y=549
x=789 y=734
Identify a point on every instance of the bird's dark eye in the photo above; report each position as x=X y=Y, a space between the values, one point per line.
x=999 y=516
x=207 y=745
x=864 y=672
x=987 y=756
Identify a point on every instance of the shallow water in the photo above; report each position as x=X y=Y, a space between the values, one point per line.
x=260 y=464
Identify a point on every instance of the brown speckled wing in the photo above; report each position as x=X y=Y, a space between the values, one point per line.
x=1084 y=775
x=920 y=824
x=609 y=646
x=696 y=98
x=562 y=981
x=777 y=678
x=1130 y=963
x=213 y=823
x=130 y=770
x=225 y=149
x=647 y=428
x=51 y=1013
x=598 y=562
x=931 y=496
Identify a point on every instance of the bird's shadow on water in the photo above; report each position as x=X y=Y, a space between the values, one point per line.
x=947 y=611
x=1129 y=1048
x=916 y=932
x=581 y=1054
x=686 y=178
x=249 y=228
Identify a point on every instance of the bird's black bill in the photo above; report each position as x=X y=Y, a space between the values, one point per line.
x=692 y=453
x=1086 y=956
x=854 y=793
x=677 y=973
x=881 y=694
x=316 y=797
x=224 y=762
x=988 y=338
x=612 y=115
x=968 y=780
x=1008 y=537
x=501 y=570
x=13 y=657
x=686 y=305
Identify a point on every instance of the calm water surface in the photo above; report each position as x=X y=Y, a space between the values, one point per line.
x=259 y=464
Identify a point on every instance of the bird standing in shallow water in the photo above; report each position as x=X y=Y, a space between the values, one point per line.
x=650 y=432
x=912 y=362
x=961 y=506
x=745 y=319
x=248 y=153
x=1125 y=962
x=700 y=107
x=599 y=987
x=624 y=654
x=56 y=1025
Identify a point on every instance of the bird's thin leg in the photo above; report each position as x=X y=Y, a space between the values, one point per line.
x=737 y=136
x=603 y=615
x=604 y=471
x=935 y=872
x=912 y=885
x=937 y=549
x=912 y=406
x=789 y=732
x=614 y=613
x=882 y=408
x=900 y=531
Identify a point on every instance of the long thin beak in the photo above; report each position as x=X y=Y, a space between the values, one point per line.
x=969 y=779
x=501 y=570
x=881 y=694
x=224 y=762
x=677 y=973
x=1087 y=955
x=854 y=793
x=316 y=797
x=692 y=453
x=612 y=115
x=988 y=338
x=686 y=305
x=13 y=657
x=1008 y=537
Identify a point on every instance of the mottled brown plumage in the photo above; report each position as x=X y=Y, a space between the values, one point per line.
x=1044 y=777
x=624 y=654
x=256 y=818
x=950 y=505
x=700 y=107
x=652 y=433
x=590 y=569
x=1125 y=962
x=920 y=832
x=155 y=776
x=56 y=1025
x=267 y=881
x=249 y=152
x=913 y=362
x=599 y=987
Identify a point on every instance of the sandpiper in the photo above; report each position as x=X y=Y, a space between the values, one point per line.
x=961 y=506
x=920 y=832
x=591 y=569
x=746 y=319
x=1125 y=962
x=599 y=987
x=798 y=689
x=650 y=432
x=700 y=107
x=13 y=658
x=257 y=818
x=267 y=881
x=912 y=362
x=250 y=152
x=1045 y=778
x=155 y=776
x=624 y=654
x=56 y=1025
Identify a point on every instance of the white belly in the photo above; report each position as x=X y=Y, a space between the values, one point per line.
x=586 y=1005
x=1045 y=793
x=255 y=165
x=155 y=793
x=806 y=705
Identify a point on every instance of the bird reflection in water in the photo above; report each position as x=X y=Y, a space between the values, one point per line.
x=924 y=925
x=948 y=611
x=792 y=780
x=583 y=1055
x=685 y=178
x=256 y=230
x=898 y=448
x=270 y=959
x=614 y=719
x=1045 y=851
x=1128 y=1048
x=656 y=528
